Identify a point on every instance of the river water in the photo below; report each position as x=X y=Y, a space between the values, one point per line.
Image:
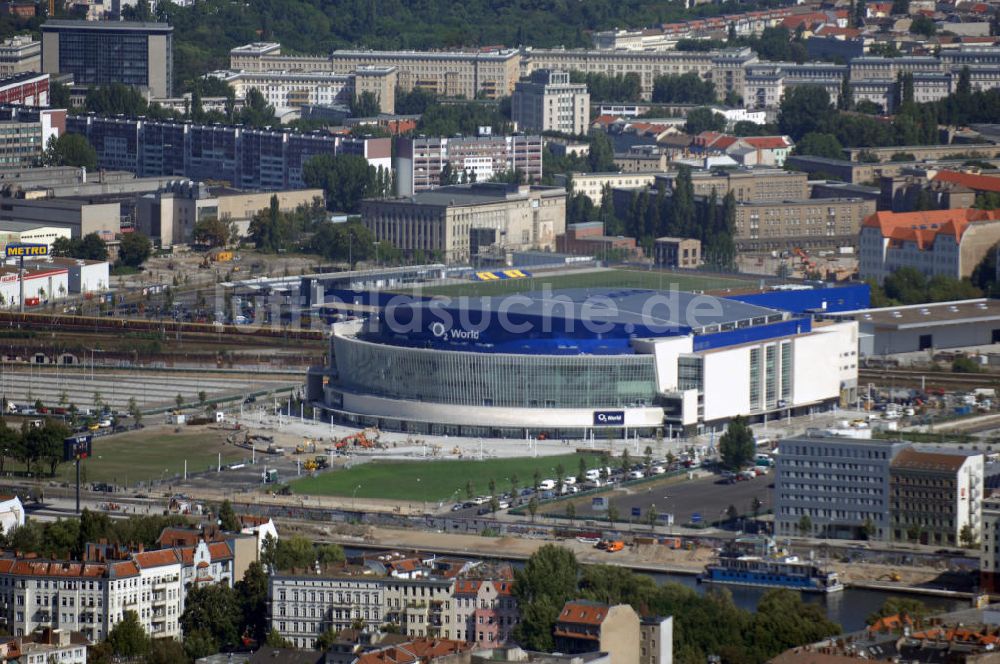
x=849 y=607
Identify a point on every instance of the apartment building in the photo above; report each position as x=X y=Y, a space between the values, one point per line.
x=47 y=646
x=26 y=89
x=748 y=151
x=303 y=607
x=656 y=645
x=105 y=52
x=287 y=90
x=803 y=222
x=766 y=82
x=677 y=252
x=725 y=67
x=584 y=626
x=593 y=185
x=169 y=216
x=485 y=611
x=470 y=74
x=20 y=54
x=938 y=242
x=419 y=162
x=935 y=496
x=24 y=132
x=832 y=487
x=548 y=101
x=459 y=223
x=989 y=551
x=262 y=159
x=750 y=184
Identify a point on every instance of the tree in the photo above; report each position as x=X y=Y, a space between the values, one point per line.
x=128 y=638
x=326 y=639
x=228 y=520
x=533 y=507
x=134 y=411
x=820 y=145
x=868 y=529
x=165 y=651
x=896 y=606
x=514 y=483
x=494 y=505
x=365 y=105
x=685 y=89
x=704 y=119
x=89 y=247
x=546 y=582
x=805 y=109
x=252 y=593
x=470 y=490
x=215 y=232
x=805 y=525
x=294 y=553
x=256 y=111
x=612 y=515
x=345 y=179
x=179 y=401
x=570 y=511
x=134 y=249
x=647 y=457
x=967 y=537
x=10 y=440
x=560 y=477
x=330 y=554
x=581 y=473
x=536 y=479
x=652 y=515
x=217 y=610
x=923 y=25
x=737 y=446
x=70 y=150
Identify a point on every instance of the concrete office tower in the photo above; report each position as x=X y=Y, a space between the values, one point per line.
x=99 y=53
x=548 y=101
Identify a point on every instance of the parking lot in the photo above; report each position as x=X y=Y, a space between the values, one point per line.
x=706 y=496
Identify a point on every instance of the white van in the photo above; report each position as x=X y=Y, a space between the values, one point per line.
x=593 y=474
x=547 y=485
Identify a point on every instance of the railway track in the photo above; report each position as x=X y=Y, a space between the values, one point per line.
x=64 y=322
x=926 y=378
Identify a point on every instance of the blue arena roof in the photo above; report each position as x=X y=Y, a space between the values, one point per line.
x=571 y=321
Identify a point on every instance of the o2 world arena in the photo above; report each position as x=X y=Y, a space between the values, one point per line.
x=579 y=362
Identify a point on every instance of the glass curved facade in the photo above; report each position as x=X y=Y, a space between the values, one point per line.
x=494 y=379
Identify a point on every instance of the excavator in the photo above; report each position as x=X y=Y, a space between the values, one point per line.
x=890 y=576
x=358 y=439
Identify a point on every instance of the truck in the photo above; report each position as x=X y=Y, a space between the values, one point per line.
x=270 y=476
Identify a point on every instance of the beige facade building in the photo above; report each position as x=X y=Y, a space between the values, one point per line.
x=725 y=68
x=679 y=252
x=20 y=54
x=592 y=185
x=937 y=242
x=470 y=74
x=168 y=217
x=294 y=89
x=460 y=222
x=548 y=101
x=808 y=222
x=753 y=184
x=584 y=626
x=933 y=496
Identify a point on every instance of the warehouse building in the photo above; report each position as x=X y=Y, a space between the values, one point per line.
x=932 y=326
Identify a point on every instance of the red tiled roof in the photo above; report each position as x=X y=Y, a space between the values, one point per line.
x=219 y=550
x=970 y=180
x=125 y=568
x=418 y=650
x=835 y=31
x=467 y=586
x=252 y=521
x=584 y=613
x=924 y=227
x=766 y=142
x=911 y=459
x=156 y=558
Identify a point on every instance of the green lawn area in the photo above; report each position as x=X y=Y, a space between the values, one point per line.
x=598 y=279
x=435 y=480
x=137 y=456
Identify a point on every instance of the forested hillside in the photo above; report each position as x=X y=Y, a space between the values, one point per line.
x=208 y=29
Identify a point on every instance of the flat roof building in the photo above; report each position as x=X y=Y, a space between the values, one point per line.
x=101 y=53
x=936 y=498
x=424 y=163
x=549 y=101
x=20 y=54
x=459 y=223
